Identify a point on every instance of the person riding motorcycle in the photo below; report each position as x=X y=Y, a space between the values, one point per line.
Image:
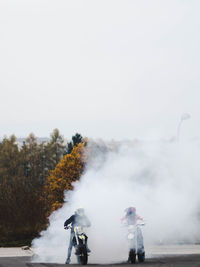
x=131 y=218
x=77 y=219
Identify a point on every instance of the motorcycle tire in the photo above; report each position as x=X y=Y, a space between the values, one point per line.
x=132 y=256
x=141 y=257
x=83 y=257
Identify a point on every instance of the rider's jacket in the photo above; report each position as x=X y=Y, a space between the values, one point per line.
x=77 y=220
x=131 y=219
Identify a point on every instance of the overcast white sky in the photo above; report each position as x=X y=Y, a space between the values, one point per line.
x=103 y=68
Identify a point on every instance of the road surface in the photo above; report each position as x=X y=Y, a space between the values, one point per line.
x=166 y=256
x=167 y=261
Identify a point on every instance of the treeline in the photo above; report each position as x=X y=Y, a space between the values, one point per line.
x=33 y=178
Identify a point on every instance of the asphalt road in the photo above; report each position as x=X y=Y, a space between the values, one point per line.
x=167 y=261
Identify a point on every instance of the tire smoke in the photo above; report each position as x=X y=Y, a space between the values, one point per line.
x=161 y=179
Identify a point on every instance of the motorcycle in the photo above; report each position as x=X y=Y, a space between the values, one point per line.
x=135 y=243
x=80 y=244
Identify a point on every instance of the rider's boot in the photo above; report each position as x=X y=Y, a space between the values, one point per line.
x=141 y=249
x=88 y=250
x=67 y=261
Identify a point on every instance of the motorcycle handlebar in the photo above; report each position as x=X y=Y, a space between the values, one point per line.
x=140 y=224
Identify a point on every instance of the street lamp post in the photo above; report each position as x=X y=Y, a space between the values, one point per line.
x=185 y=116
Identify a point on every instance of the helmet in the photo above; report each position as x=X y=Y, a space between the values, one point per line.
x=130 y=211
x=80 y=211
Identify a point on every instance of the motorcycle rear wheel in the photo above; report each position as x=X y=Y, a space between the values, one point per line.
x=141 y=257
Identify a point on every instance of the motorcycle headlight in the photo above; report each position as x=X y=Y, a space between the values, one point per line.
x=130 y=236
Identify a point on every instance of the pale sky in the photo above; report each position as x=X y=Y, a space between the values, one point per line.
x=104 y=68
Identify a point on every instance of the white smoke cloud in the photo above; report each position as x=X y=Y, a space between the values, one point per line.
x=161 y=179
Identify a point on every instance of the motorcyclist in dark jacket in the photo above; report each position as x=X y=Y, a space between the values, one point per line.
x=77 y=219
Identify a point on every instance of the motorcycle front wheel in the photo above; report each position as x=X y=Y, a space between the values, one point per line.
x=132 y=256
x=83 y=257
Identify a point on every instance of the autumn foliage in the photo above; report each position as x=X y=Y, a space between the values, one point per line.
x=33 y=177
x=67 y=171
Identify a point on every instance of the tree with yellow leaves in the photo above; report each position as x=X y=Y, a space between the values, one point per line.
x=67 y=171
